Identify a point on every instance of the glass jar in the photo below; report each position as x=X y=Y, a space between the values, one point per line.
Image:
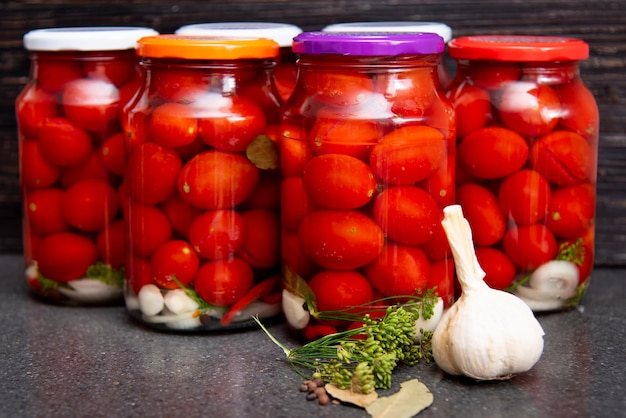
x=71 y=160
x=367 y=160
x=527 y=149
x=202 y=183
x=439 y=28
x=281 y=33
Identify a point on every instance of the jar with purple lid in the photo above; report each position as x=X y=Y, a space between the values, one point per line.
x=367 y=163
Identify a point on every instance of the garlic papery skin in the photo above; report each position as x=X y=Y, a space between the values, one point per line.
x=487 y=334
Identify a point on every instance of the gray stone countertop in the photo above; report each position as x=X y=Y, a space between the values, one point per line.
x=60 y=361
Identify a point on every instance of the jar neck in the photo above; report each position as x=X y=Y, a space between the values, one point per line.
x=207 y=65
x=369 y=64
x=549 y=73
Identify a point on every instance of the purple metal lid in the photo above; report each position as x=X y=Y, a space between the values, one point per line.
x=368 y=43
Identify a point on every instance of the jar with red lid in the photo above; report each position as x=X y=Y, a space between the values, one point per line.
x=201 y=184
x=281 y=33
x=439 y=28
x=367 y=160
x=527 y=149
x=71 y=160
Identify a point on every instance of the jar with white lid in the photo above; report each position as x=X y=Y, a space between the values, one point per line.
x=69 y=118
x=281 y=33
x=439 y=28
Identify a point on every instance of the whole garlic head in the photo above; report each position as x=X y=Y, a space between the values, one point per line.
x=487 y=334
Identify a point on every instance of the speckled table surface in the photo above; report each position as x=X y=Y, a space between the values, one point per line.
x=58 y=361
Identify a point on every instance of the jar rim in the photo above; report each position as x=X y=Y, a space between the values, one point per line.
x=368 y=43
x=99 y=38
x=206 y=47
x=281 y=33
x=518 y=48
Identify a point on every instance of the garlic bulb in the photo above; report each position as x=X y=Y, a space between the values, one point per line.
x=487 y=334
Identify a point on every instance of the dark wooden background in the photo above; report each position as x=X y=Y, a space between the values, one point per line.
x=602 y=23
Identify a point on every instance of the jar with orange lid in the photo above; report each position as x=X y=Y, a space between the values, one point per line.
x=439 y=28
x=281 y=33
x=527 y=149
x=367 y=160
x=69 y=118
x=201 y=184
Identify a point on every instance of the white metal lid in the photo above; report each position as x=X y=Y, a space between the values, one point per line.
x=99 y=38
x=281 y=33
x=440 y=29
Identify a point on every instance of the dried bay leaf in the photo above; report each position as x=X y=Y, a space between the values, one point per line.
x=348 y=396
x=412 y=398
x=263 y=153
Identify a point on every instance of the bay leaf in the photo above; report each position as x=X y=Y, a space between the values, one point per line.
x=263 y=153
x=346 y=395
x=412 y=398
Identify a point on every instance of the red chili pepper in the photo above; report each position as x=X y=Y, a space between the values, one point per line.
x=315 y=331
x=258 y=291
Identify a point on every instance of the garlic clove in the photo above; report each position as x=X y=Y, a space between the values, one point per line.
x=151 y=301
x=556 y=279
x=295 y=313
x=178 y=302
x=91 y=291
x=258 y=308
x=431 y=323
x=487 y=334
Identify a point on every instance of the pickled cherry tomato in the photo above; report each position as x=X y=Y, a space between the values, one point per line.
x=563 y=157
x=44 y=210
x=33 y=107
x=337 y=181
x=571 y=210
x=223 y=282
x=339 y=290
x=473 y=108
x=65 y=256
x=482 y=211
x=217 y=234
x=261 y=238
x=36 y=171
x=90 y=205
x=340 y=88
x=152 y=173
x=173 y=125
x=529 y=109
x=174 y=259
x=91 y=104
x=529 y=246
x=524 y=196
x=63 y=144
x=498 y=267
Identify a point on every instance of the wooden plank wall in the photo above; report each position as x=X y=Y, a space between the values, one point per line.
x=602 y=23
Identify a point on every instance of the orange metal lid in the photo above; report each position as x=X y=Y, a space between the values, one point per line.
x=206 y=47
x=518 y=48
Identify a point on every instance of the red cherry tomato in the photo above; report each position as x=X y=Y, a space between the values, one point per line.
x=399 y=270
x=473 y=108
x=340 y=239
x=233 y=124
x=216 y=179
x=494 y=75
x=336 y=133
x=223 y=282
x=114 y=71
x=62 y=143
x=492 y=152
x=529 y=246
x=53 y=75
x=112 y=154
x=217 y=234
x=524 y=196
x=148 y=227
x=571 y=210
x=293 y=155
x=580 y=110
x=138 y=272
x=336 y=181
x=408 y=154
x=173 y=125
x=437 y=247
x=90 y=205
x=92 y=168
x=563 y=157
x=293 y=257
x=529 y=109
x=261 y=243
x=341 y=290
x=499 y=269
x=180 y=214
x=338 y=88
x=442 y=279
x=407 y=214
x=33 y=107
x=266 y=194
x=65 y=256
x=175 y=258
x=92 y=105
x=409 y=92
x=483 y=212
x=152 y=173
x=182 y=86
x=110 y=243
x=44 y=211
x=36 y=171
